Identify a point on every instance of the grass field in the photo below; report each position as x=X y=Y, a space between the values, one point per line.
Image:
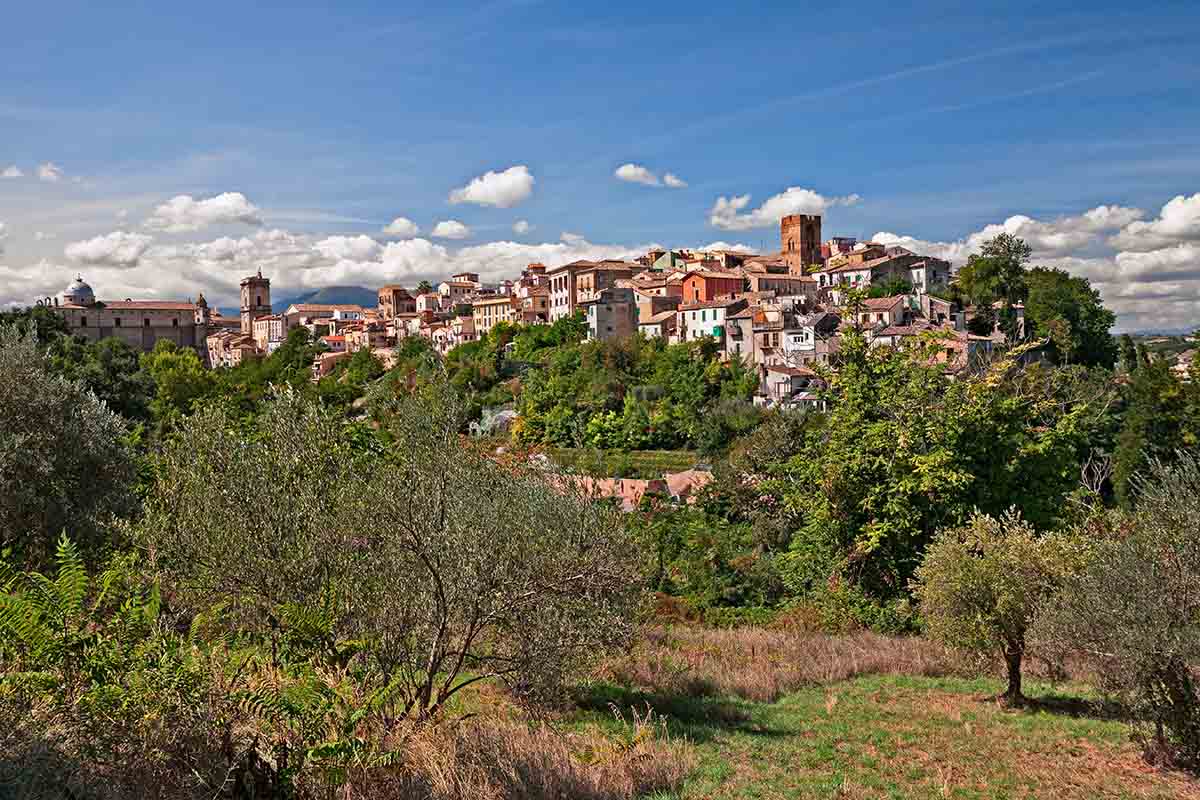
x=918 y=736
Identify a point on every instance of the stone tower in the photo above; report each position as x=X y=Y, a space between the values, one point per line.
x=256 y=300
x=800 y=241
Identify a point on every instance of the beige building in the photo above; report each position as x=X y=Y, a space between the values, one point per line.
x=489 y=311
x=612 y=314
x=139 y=323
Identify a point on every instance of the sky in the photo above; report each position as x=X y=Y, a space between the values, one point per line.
x=163 y=150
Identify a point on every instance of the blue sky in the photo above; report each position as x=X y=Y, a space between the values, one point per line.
x=940 y=118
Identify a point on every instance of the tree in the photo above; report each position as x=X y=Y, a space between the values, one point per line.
x=180 y=379
x=1129 y=355
x=110 y=368
x=428 y=568
x=1070 y=312
x=997 y=273
x=65 y=463
x=1134 y=613
x=980 y=585
x=1162 y=413
x=424 y=287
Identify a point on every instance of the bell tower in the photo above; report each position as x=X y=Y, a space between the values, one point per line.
x=256 y=300
x=800 y=241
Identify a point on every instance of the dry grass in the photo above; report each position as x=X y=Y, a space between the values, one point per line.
x=506 y=760
x=763 y=665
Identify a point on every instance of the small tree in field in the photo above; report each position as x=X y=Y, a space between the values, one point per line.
x=981 y=584
x=1134 y=614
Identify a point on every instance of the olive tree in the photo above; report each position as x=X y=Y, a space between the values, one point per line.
x=65 y=463
x=980 y=585
x=1135 y=612
x=422 y=568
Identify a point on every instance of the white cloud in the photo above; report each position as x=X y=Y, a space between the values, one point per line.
x=3 y=236
x=123 y=213
x=451 y=229
x=1072 y=235
x=12 y=172
x=733 y=248
x=636 y=173
x=727 y=212
x=522 y=227
x=116 y=249
x=572 y=238
x=402 y=227
x=355 y=248
x=50 y=172
x=499 y=189
x=184 y=213
x=42 y=236
x=1178 y=221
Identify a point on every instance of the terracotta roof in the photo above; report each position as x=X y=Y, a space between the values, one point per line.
x=661 y=316
x=883 y=303
x=150 y=305
x=720 y=302
x=712 y=273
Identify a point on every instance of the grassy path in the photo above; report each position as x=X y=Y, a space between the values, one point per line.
x=906 y=737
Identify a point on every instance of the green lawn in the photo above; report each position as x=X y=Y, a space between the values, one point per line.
x=901 y=737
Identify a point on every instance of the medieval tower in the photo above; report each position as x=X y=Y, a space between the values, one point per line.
x=800 y=241
x=256 y=300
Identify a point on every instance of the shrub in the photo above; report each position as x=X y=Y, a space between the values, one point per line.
x=1134 y=614
x=64 y=459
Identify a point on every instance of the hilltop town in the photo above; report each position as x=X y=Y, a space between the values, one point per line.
x=781 y=313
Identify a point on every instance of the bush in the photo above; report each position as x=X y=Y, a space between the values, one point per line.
x=65 y=463
x=1135 y=613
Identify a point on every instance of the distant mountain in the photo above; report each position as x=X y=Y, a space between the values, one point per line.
x=332 y=295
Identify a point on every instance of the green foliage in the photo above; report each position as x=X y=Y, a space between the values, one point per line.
x=980 y=584
x=1134 y=613
x=1162 y=413
x=65 y=460
x=181 y=381
x=1069 y=312
x=891 y=287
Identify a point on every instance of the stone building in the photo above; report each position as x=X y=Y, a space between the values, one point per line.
x=139 y=323
x=611 y=314
x=800 y=237
x=395 y=300
x=256 y=300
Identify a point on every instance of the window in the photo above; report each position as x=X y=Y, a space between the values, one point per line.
x=175 y=323
x=117 y=322
x=258 y=300
x=146 y=322
x=83 y=322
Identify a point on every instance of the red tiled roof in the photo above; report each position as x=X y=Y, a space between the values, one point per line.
x=882 y=303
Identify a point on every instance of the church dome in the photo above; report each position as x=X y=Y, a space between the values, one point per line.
x=79 y=293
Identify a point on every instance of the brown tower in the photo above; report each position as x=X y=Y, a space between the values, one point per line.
x=256 y=300
x=800 y=241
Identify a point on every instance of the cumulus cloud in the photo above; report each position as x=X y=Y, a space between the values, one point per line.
x=522 y=227
x=499 y=189
x=636 y=173
x=116 y=249
x=12 y=172
x=50 y=172
x=572 y=238
x=1178 y=221
x=728 y=213
x=732 y=248
x=1070 y=235
x=402 y=227
x=451 y=229
x=3 y=236
x=356 y=248
x=42 y=236
x=184 y=213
